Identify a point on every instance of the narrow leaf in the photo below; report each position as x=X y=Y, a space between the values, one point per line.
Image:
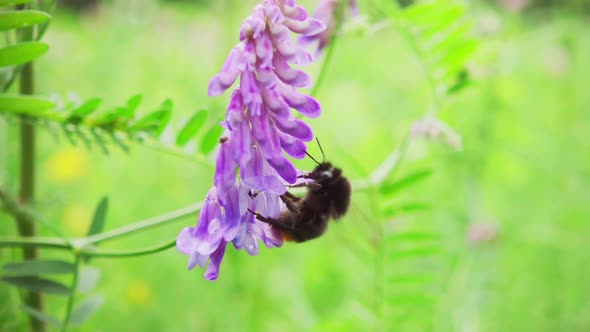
x=394 y=210
x=13 y=2
x=100 y=216
x=133 y=103
x=15 y=19
x=211 y=138
x=422 y=299
x=85 y=310
x=156 y=121
x=414 y=236
x=87 y=279
x=390 y=188
x=37 y=284
x=39 y=267
x=21 y=53
x=191 y=128
x=411 y=278
x=24 y=104
x=84 y=110
x=414 y=252
x=100 y=141
x=457 y=56
x=50 y=320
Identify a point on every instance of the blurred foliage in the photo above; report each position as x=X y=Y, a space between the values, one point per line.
x=500 y=227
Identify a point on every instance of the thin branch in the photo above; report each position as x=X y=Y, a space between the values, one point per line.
x=35 y=241
x=141 y=225
x=331 y=48
x=93 y=252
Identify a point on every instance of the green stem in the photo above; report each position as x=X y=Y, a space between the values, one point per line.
x=126 y=253
x=25 y=224
x=331 y=48
x=71 y=299
x=58 y=243
x=34 y=242
x=142 y=225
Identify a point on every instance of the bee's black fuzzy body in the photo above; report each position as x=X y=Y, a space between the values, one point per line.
x=307 y=218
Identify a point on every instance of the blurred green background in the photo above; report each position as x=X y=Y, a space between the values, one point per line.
x=522 y=177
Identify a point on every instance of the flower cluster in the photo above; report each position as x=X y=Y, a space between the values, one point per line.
x=259 y=128
x=327 y=12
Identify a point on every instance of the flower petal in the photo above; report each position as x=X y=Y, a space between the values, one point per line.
x=305 y=105
x=225 y=169
x=232 y=67
x=185 y=242
x=308 y=27
x=293 y=146
x=290 y=76
x=215 y=261
x=284 y=167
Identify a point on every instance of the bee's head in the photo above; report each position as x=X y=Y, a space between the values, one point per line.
x=324 y=173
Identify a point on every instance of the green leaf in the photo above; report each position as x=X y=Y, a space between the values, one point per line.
x=99 y=140
x=457 y=56
x=414 y=252
x=100 y=217
x=390 y=188
x=37 y=284
x=50 y=320
x=443 y=21
x=133 y=103
x=21 y=53
x=461 y=81
x=411 y=278
x=24 y=104
x=87 y=279
x=395 y=209
x=13 y=2
x=211 y=138
x=156 y=121
x=84 y=110
x=15 y=19
x=85 y=310
x=191 y=128
x=444 y=44
x=422 y=13
x=414 y=236
x=417 y=298
x=38 y=267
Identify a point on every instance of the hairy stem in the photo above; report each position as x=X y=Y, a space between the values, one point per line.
x=26 y=226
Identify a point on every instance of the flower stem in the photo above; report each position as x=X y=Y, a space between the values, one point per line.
x=142 y=225
x=331 y=48
x=71 y=299
x=126 y=253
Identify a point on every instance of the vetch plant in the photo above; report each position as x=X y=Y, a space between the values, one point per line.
x=260 y=127
x=252 y=169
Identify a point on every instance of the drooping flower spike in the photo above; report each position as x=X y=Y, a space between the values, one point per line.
x=260 y=129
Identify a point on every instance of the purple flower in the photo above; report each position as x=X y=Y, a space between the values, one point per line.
x=260 y=129
x=327 y=12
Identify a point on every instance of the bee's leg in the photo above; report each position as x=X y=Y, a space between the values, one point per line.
x=310 y=185
x=292 y=197
x=271 y=221
x=290 y=203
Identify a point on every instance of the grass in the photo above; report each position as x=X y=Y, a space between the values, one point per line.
x=525 y=124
